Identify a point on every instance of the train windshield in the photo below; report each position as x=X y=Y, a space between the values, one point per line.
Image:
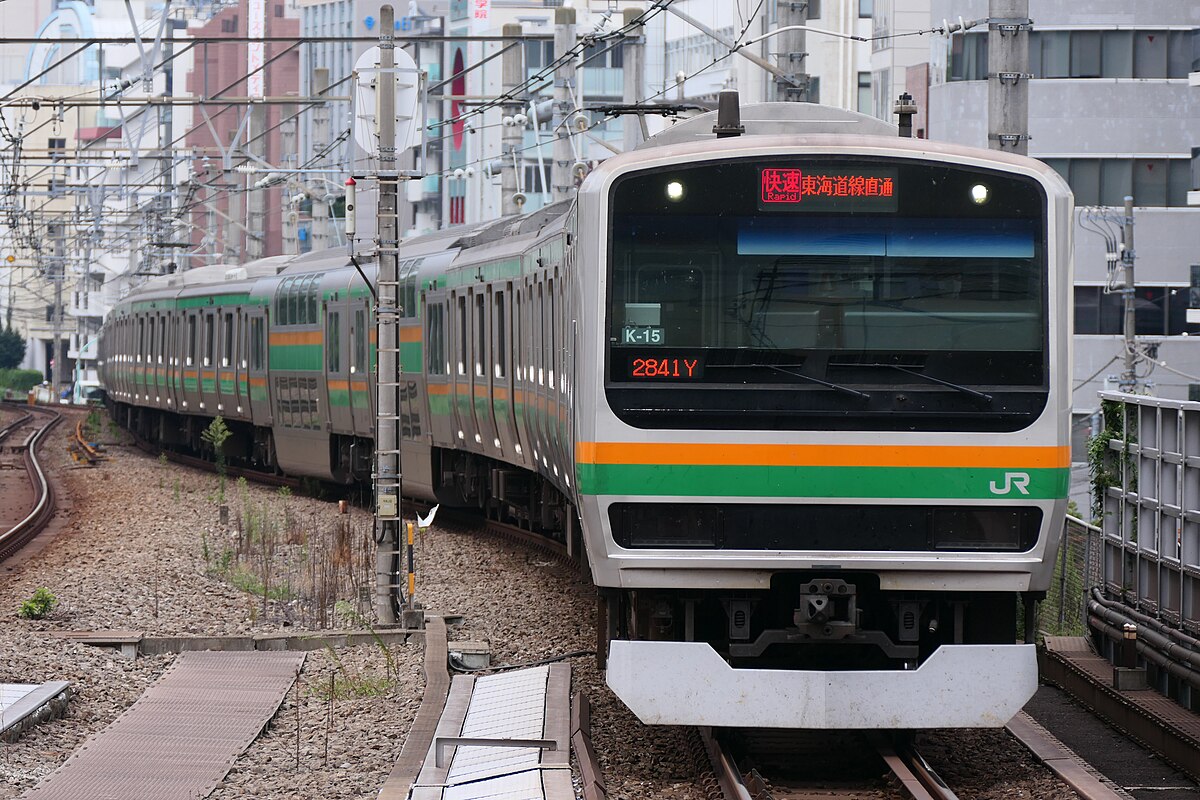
x=841 y=293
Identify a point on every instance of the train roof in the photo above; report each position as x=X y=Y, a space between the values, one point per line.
x=767 y=119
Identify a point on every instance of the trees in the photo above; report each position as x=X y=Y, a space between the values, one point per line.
x=12 y=348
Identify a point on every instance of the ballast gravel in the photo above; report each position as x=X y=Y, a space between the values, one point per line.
x=139 y=546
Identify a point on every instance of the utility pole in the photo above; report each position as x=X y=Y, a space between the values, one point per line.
x=563 y=184
x=289 y=216
x=1008 y=75
x=320 y=209
x=791 y=52
x=387 y=381
x=1129 y=379
x=256 y=199
x=58 y=275
x=513 y=134
x=634 y=59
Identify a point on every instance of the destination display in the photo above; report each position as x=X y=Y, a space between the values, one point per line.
x=817 y=189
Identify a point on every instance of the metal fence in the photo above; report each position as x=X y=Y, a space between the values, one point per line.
x=1077 y=570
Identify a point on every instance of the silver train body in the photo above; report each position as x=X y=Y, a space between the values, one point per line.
x=801 y=399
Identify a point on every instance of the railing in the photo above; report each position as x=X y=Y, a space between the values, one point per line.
x=1076 y=570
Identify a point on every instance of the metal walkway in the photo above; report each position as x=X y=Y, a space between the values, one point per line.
x=502 y=737
x=181 y=737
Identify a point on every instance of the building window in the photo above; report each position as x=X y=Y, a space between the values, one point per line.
x=1085 y=54
x=1160 y=311
x=864 y=93
x=866 y=8
x=1161 y=182
x=57 y=147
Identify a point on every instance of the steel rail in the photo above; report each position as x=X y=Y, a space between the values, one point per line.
x=17 y=536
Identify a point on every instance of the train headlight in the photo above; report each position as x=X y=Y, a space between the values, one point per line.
x=980 y=194
x=675 y=191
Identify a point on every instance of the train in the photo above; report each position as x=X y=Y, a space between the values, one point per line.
x=795 y=388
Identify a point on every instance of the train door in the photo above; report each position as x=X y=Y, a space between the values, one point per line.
x=191 y=371
x=256 y=371
x=502 y=369
x=482 y=374
x=362 y=417
x=437 y=370
x=460 y=377
x=240 y=384
x=337 y=366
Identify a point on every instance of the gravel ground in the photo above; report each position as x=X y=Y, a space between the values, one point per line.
x=140 y=548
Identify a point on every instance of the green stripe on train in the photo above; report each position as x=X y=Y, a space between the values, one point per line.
x=296 y=357
x=690 y=480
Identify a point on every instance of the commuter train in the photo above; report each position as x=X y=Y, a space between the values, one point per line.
x=800 y=395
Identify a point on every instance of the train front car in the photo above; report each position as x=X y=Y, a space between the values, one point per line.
x=826 y=453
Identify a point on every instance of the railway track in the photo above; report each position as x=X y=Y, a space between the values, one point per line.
x=32 y=501
x=807 y=765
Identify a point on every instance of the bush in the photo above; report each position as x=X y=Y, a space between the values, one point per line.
x=20 y=380
x=39 y=606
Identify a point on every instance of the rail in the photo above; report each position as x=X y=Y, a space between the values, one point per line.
x=18 y=535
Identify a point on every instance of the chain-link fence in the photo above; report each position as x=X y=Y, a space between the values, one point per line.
x=1077 y=569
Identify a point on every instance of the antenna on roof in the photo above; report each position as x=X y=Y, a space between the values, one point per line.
x=729 y=115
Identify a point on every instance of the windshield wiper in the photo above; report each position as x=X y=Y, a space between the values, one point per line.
x=931 y=379
x=802 y=376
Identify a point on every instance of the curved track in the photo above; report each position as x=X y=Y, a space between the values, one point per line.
x=19 y=441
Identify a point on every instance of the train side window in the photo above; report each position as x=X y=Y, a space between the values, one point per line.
x=241 y=341
x=501 y=351
x=436 y=337
x=227 y=341
x=360 y=342
x=314 y=282
x=292 y=316
x=462 y=335
x=150 y=341
x=209 y=334
x=191 y=351
x=480 y=337
x=333 y=337
x=161 y=352
x=141 y=348
x=256 y=347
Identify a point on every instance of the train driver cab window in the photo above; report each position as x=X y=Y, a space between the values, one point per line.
x=191 y=332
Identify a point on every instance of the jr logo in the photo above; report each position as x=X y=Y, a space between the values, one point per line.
x=1012 y=480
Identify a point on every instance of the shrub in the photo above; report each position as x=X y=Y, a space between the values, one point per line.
x=20 y=380
x=39 y=605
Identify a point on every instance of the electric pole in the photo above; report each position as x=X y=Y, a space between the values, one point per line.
x=564 y=82
x=512 y=134
x=1129 y=379
x=387 y=312
x=634 y=58
x=791 y=52
x=1008 y=75
x=320 y=209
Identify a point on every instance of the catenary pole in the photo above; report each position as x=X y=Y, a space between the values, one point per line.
x=1008 y=76
x=1129 y=380
x=563 y=185
x=513 y=134
x=387 y=379
x=634 y=59
x=791 y=52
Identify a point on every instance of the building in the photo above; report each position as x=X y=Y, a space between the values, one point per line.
x=231 y=219
x=1110 y=107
